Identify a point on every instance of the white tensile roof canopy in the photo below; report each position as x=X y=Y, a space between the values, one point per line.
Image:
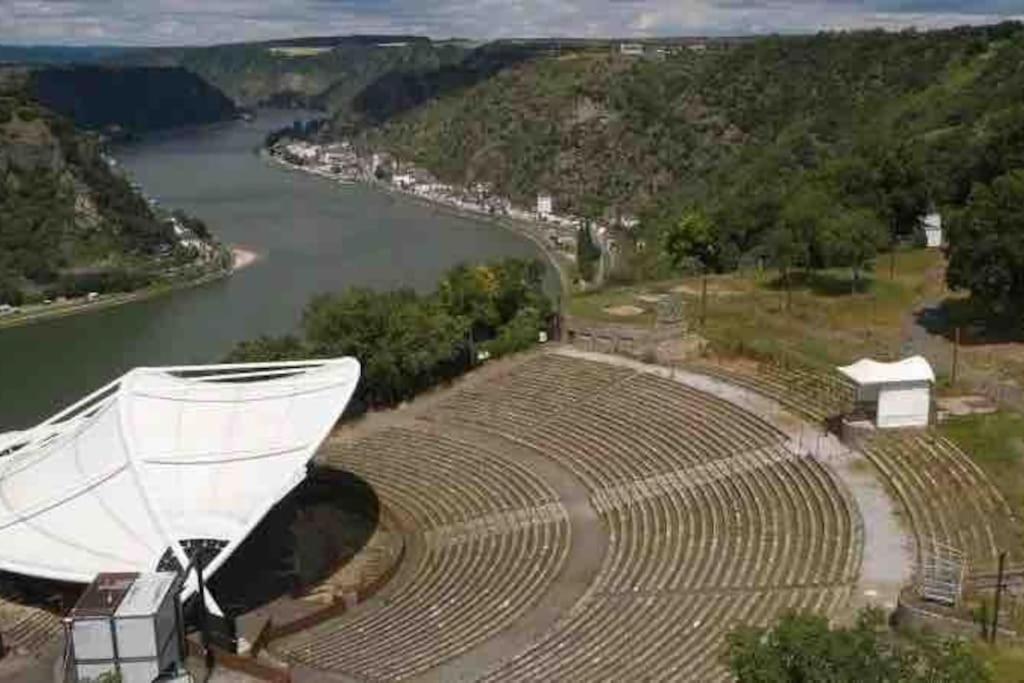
x=867 y=372
x=163 y=462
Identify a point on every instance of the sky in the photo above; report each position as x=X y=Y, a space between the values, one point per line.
x=195 y=22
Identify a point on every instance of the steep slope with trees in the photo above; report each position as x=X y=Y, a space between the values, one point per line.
x=68 y=223
x=130 y=99
x=321 y=73
x=805 y=152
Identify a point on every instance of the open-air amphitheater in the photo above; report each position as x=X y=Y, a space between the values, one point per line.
x=574 y=516
x=578 y=516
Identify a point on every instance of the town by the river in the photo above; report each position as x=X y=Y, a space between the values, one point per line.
x=311 y=235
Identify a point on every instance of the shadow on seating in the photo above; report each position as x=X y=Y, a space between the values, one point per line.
x=56 y=597
x=304 y=539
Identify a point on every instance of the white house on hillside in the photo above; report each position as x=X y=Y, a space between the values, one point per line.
x=545 y=205
x=896 y=394
x=931 y=224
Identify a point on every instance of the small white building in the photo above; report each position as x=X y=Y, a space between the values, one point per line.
x=896 y=395
x=631 y=49
x=404 y=181
x=545 y=205
x=931 y=224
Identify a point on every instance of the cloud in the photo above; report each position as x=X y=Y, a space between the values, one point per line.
x=163 y=22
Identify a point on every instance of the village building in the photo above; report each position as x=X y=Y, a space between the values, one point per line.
x=545 y=206
x=931 y=225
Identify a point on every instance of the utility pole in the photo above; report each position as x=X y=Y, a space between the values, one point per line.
x=999 y=595
x=956 y=354
x=204 y=621
x=703 y=297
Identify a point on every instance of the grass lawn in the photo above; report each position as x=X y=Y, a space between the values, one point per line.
x=593 y=305
x=825 y=323
x=996 y=443
x=1006 y=662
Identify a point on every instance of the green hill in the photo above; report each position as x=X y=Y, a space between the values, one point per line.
x=770 y=137
x=132 y=99
x=308 y=72
x=69 y=224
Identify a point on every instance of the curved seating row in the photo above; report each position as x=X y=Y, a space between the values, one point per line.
x=711 y=522
x=25 y=628
x=808 y=393
x=948 y=499
x=492 y=536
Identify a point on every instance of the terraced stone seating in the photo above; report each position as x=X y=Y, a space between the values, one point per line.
x=492 y=536
x=529 y=393
x=812 y=394
x=947 y=498
x=27 y=629
x=711 y=520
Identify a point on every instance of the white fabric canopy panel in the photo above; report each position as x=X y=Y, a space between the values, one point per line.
x=160 y=461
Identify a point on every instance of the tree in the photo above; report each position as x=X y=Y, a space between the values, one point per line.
x=902 y=187
x=853 y=237
x=793 y=240
x=587 y=253
x=692 y=237
x=802 y=647
x=405 y=342
x=489 y=296
x=986 y=247
x=268 y=350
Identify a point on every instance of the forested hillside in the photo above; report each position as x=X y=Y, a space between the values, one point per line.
x=310 y=72
x=68 y=223
x=131 y=99
x=810 y=151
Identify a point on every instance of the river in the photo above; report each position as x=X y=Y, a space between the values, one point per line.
x=313 y=236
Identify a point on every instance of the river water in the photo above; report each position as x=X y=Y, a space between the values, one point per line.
x=313 y=236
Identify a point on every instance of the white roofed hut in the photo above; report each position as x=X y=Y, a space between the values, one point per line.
x=893 y=395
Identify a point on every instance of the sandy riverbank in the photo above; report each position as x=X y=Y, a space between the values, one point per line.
x=243 y=257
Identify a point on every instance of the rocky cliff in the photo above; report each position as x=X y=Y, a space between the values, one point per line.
x=68 y=220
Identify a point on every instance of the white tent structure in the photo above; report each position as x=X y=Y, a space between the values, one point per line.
x=161 y=464
x=898 y=394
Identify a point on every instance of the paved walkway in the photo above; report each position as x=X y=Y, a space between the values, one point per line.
x=588 y=544
x=888 y=560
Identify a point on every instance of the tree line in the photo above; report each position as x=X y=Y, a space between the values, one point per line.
x=803 y=647
x=408 y=342
x=69 y=224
